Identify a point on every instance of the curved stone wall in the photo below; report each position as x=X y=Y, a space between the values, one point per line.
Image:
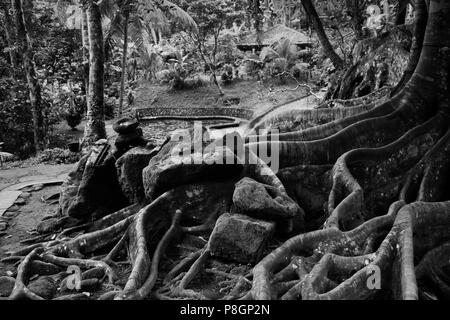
x=193 y=113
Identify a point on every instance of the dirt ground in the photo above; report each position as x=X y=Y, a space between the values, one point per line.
x=23 y=219
x=250 y=94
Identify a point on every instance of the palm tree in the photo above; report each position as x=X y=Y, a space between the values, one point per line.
x=95 y=124
x=125 y=5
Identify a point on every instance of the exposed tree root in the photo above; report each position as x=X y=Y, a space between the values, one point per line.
x=328 y=129
x=431 y=273
x=317 y=244
x=147 y=286
x=346 y=198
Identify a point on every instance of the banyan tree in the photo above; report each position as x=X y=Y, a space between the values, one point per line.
x=358 y=207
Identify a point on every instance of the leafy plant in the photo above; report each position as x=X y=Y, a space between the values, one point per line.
x=275 y=61
x=179 y=69
x=56 y=156
x=279 y=49
x=15 y=117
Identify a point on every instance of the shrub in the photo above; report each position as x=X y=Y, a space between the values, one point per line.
x=227 y=74
x=15 y=118
x=179 y=69
x=56 y=156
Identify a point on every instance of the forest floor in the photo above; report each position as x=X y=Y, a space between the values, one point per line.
x=250 y=94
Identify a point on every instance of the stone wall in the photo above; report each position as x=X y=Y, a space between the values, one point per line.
x=192 y=113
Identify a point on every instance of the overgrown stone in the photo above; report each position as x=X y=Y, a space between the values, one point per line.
x=240 y=238
x=97 y=193
x=44 y=287
x=266 y=202
x=173 y=168
x=129 y=172
x=6 y=286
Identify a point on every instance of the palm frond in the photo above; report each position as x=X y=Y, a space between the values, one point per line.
x=174 y=10
x=285 y=49
x=108 y=8
x=268 y=54
x=114 y=28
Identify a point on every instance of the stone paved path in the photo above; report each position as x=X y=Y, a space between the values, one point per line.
x=14 y=179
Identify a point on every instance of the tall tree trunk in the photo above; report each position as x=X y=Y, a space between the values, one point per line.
x=10 y=36
x=318 y=27
x=124 y=61
x=85 y=48
x=33 y=84
x=95 y=125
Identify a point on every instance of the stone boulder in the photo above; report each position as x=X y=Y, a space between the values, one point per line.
x=171 y=169
x=44 y=287
x=240 y=238
x=129 y=172
x=266 y=202
x=6 y=286
x=94 y=190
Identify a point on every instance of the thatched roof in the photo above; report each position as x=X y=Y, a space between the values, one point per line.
x=274 y=34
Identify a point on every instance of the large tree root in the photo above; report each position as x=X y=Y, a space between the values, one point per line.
x=346 y=200
x=359 y=267
x=430 y=273
x=317 y=244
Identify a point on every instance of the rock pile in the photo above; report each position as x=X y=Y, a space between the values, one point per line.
x=98 y=185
